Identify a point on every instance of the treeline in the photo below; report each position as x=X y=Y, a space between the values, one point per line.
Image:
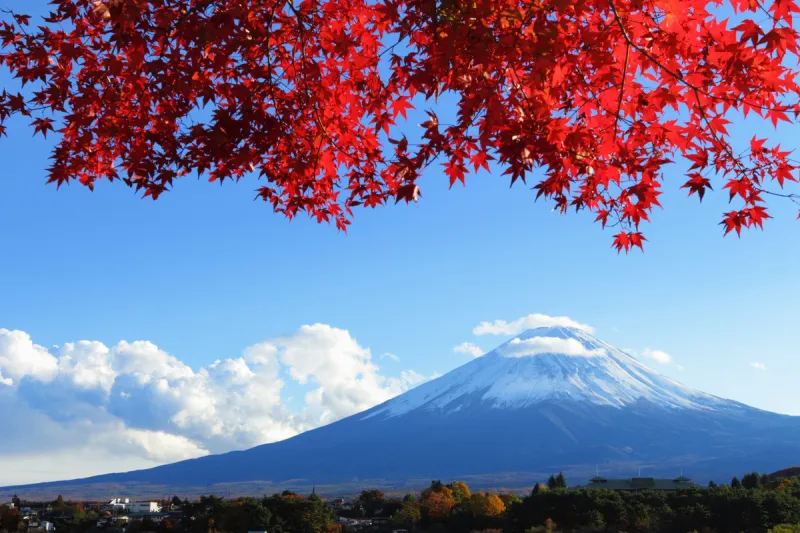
x=281 y=513
x=758 y=507
x=756 y=503
x=721 y=509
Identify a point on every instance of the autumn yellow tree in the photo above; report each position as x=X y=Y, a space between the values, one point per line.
x=485 y=504
x=509 y=499
x=438 y=502
x=461 y=492
x=539 y=487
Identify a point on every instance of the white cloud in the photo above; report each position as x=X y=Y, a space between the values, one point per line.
x=105 y=448
x=142 y=406
x=391 y=356
x=20 y=357
x=87 y=364
x=159 y=446
x=469 y=349
x=347 y=380
x=73 y=463
x=501 y=327
x=658 y=356
x=549 y=345
x=758 y=365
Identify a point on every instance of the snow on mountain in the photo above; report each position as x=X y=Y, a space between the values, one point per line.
x=555 y=363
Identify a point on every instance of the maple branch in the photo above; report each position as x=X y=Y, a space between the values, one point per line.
x=696 y=91
x=795 y=198
x=677 y=75
x=622 y=88
x=390 y=48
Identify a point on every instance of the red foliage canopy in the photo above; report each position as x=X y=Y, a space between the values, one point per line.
x=595 y=96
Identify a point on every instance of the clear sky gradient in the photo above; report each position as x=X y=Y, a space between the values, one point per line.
x=206 y=271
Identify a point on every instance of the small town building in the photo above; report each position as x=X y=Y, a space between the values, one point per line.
x=144 y=507
x=156 y=517
x=116 y=504
x=337 y=503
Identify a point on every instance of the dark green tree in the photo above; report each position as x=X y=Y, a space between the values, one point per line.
x=293 y=514
x=243 y=515
x=735 y=483
x=557 y=482
x=751 y=481
x=371 y=501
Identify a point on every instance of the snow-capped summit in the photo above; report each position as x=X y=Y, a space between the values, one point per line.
x=553 y=363
x=548 y=400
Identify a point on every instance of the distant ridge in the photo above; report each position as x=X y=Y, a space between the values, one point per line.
x=792 y=471
x=548 y=400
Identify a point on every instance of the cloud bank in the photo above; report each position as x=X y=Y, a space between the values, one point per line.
x=85 y=408
x=515 y=327
x=548 y=345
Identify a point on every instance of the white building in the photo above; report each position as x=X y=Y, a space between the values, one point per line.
x=117 y=504
x=144 y=507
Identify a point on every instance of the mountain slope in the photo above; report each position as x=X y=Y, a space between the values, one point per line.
x=549 y=399
x=523 y=372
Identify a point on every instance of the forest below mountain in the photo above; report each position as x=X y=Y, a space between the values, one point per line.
x=756 y=503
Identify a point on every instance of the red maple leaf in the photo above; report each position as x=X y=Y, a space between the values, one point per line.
x=592 y=100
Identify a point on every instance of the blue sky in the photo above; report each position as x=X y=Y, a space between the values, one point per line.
x=205 y=272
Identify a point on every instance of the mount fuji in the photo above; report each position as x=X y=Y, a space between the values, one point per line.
x=548 y=400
